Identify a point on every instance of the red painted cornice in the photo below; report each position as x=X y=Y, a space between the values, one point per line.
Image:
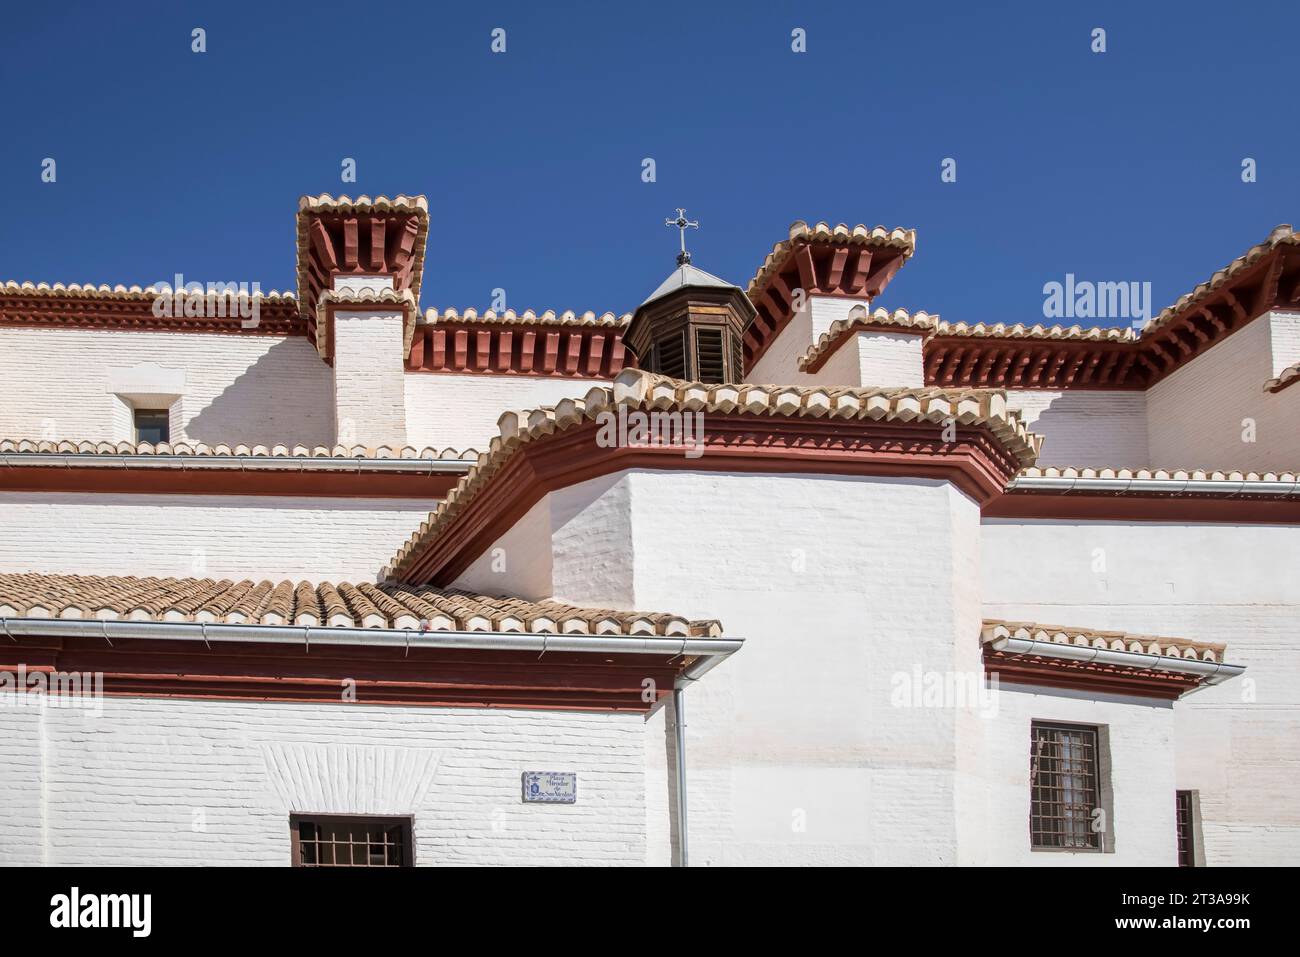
x=975 y=462
x=436 y=678
x=1087 y=676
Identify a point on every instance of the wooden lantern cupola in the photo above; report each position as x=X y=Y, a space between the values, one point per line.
x=692 y=327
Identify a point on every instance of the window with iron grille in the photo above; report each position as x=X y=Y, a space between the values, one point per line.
x=1064 y=786
x=328 y=840
x=1186 y=830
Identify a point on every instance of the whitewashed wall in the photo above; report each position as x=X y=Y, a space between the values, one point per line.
x=181 y=782
x=1214 y=412
x=1086 y=427
x=1284 y=335
x=227 y=536
x=369 y=392
x=237 y=389
x=1205 y=582
x=461 y=411
x=796 y=752
x=868 y=358
x=1142 y=776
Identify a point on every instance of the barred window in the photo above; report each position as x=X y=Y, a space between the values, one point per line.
x=327 y=840
x=1064 y=787
x=1186 y=831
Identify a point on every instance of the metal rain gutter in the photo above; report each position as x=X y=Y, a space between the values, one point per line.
x=1211 y=672
x=1047 y=483
x=706 y=648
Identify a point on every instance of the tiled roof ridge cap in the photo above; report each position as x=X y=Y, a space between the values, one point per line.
x=1038 y=330
x=326 y=202
x=275 y=451
x=119 y=291
x=862 y=317
x=1288 y=376
x=995 y=628
x=1148 y=473
x=549 y=316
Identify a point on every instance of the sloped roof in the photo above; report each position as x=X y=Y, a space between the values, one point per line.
x=688 y=276
x=995 y=629
x=342 y=604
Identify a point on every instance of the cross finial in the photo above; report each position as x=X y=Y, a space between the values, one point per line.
x=683 y=224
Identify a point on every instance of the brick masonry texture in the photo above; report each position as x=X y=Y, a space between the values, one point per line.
x=157 y=782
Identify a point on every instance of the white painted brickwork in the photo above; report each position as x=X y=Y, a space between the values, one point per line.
x=1086 y=427
x=461 y=411
x=231 y=536
x=208 y=782
x=1141 y=823
x=369 y=394
x=1284 y=329
x=239 y=389
x=1197 y=416
x=1208 y=583
x=796 y=752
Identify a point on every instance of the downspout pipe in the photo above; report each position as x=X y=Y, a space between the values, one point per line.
x=679 y=727
x=1210 y=672
x=688 y=677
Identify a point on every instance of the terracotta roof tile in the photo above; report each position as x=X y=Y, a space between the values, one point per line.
x=862 y=319
x=19 y=447
x=344 y=604
x=528 y=317
x=994 y=629
x=1019 y=330
x=1288 y=376
x=859 y=235
x=104 y=291
x=1283 y=235
x=1161 y=475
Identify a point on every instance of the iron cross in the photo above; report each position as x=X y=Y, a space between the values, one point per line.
x=683 y=224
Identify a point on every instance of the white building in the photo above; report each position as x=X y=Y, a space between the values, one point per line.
x=285 y=579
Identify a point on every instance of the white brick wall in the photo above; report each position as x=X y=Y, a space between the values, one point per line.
x=126 y=787
x=230 y=536
x=1141 y=774
x=461 y=411
x=1205 y=582
x=797 y=754
x=369 y=392
x=239 y=389
x=1284 y=329
x=1197 y=416
x=1086 y=427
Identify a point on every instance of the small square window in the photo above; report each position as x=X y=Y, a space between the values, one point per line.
x=152 y=426
x=329 y=840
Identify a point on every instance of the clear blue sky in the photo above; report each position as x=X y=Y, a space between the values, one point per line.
x=1119 y=166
